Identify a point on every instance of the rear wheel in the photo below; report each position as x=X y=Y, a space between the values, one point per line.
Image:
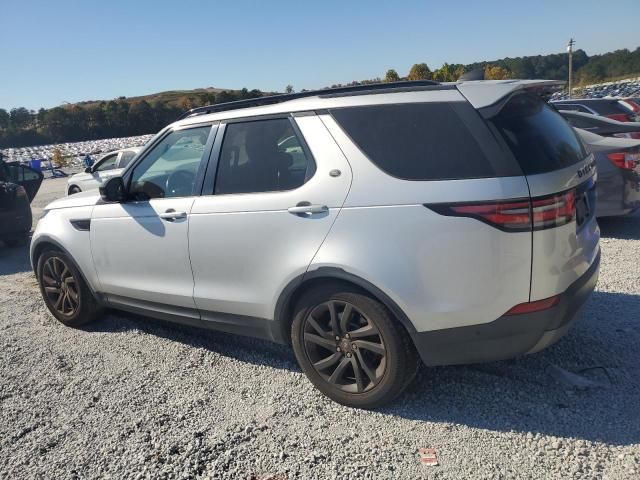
x=64 y=290
x=74 y=189
x=351 y=348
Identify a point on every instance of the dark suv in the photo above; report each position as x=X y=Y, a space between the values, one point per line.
x=18 y=185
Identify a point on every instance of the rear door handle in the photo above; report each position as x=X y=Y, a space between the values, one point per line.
x=171 y=215
x=305 y=208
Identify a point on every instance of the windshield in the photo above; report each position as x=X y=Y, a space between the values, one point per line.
x=538 y=136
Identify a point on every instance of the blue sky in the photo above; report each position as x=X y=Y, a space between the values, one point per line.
x=57 y=51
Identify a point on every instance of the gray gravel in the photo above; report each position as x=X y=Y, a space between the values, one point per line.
x=131 y=397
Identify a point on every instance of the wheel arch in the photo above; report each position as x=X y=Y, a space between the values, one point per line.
x=283 y=314
x=47 y=243
x=71 y=186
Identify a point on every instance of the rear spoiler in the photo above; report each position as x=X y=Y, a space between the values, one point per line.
x=486 y=93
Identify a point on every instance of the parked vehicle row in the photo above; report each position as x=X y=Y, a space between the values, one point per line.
x=623 y=110
x=365 y=226
x=620 y=89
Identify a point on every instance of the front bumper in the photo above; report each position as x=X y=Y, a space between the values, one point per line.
x=510 y=335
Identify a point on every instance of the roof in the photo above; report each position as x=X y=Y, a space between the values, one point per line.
x=480 y=93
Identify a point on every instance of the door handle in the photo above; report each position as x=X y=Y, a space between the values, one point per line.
x=305 y=208
x=170 y=215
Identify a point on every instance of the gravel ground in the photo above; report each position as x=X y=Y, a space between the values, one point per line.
x=130 y=397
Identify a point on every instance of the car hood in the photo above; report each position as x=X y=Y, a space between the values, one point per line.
x=82 y=199
x=79 y=175
x=597 y=143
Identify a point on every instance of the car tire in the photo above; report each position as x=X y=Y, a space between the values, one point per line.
x=74 y=189
x=370 y=340
x=64 y=290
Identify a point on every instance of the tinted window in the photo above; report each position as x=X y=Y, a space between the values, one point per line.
x=170 y=167
x=262 y=156
x=540 y=139
x=107 y=163
x=418 y=141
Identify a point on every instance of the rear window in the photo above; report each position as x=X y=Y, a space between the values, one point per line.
x=420 y=141
x=538 y=136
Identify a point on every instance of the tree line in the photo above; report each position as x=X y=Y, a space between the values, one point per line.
x=126 y=117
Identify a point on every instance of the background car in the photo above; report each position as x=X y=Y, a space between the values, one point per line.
x=18 y=185
x=611 y=108
x=618 y=163
x=602 y=125
x=110 y=165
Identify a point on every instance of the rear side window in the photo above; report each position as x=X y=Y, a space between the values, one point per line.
x=262 y=156
x=417 y=141
x=539 y=138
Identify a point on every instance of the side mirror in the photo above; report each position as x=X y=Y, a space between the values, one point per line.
x=87 y=170
x=113 y=190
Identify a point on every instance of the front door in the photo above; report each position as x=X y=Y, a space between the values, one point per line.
x=140 y=246
x=273 y=203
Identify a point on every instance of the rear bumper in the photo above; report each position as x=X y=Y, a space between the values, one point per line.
x=508 y=336
x=14 y=222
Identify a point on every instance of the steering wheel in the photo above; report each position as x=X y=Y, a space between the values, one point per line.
x=179 y=184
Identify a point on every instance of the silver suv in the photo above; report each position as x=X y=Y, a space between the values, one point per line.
x=369 y=227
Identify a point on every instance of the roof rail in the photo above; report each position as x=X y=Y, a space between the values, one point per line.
x=327 y=92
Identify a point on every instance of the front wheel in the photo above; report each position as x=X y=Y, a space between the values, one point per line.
x=64 y=291
x=74 y=189
x=351 y=348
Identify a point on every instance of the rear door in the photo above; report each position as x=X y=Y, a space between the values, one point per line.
x=29 y=178
x=561 y=177
x=266 y=208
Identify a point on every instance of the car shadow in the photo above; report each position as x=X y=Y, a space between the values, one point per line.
x=624 y=228
x=521 y=395
x=14 y=259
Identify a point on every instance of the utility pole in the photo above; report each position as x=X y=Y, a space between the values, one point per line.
x=570 y=50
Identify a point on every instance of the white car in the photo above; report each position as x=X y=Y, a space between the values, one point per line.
x=366 y=226
x=110 y=165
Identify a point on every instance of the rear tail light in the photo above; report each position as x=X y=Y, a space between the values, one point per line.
x=621 y=117
x=512 y=216
x=625 y=160
x=554 y=210
x=537 y=306
x=518 y=215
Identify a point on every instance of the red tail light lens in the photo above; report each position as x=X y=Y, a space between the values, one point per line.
x=518 y=215
x=621 y=117
x=553 y=211
x=537 y=306
x=513 y=216
x=624 y=160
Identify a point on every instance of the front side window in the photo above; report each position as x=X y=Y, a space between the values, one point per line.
x=169 y=169
x=262 y=156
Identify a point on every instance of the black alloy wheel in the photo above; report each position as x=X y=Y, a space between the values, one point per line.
x=60 y=286
x=344 y=346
